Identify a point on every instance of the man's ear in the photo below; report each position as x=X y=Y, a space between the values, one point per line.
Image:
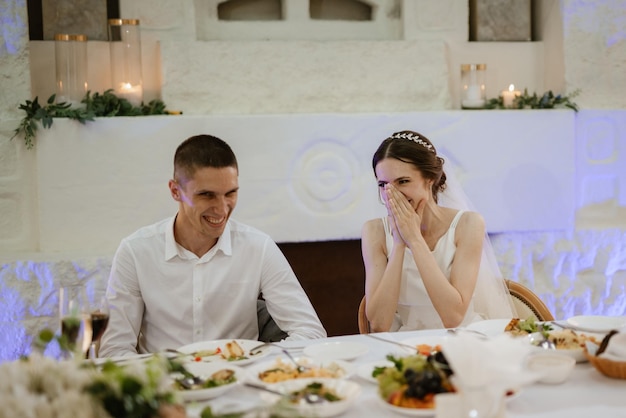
x=174 y=190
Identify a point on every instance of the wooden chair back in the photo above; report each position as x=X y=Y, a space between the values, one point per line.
x=527 y=303
x=364 y=324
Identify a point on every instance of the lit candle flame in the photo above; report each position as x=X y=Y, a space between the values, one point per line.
x=511 y=87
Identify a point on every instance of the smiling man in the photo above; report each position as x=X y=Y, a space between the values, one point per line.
x=197 y=276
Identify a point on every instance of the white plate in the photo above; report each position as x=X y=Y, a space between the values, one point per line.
x=364 y=371
x=338 y=350
x=204 y=371
x=122 y=359
x=347 y=390
x=339 y=368
x=227 y=405
x=431 y=340
x=412 y=412
x=246 y=345
x=597 y=323
x=490 y=327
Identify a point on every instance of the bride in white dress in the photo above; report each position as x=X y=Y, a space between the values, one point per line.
x=426 y=265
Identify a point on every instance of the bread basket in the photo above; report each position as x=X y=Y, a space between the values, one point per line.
x=608 y=367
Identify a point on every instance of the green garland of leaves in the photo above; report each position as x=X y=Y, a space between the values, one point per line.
x=105 y=105
x=526 y=101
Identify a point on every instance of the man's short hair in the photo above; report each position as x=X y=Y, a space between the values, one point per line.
x=202 y=151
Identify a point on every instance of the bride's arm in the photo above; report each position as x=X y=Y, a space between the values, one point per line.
x=450 y=298
x=382 y=276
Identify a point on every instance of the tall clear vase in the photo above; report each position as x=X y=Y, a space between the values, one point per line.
x=125 y=53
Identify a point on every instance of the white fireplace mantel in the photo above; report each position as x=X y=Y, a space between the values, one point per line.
x=304 y=177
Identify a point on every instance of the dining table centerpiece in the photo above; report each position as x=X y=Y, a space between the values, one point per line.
x=44 y=387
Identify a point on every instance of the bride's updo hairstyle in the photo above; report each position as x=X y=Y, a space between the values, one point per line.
x=414 y=148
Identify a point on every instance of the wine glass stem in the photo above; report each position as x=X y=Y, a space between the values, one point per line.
x=91 y=354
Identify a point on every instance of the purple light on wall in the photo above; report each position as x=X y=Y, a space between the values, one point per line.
x=581 y=14
x=29 y=296
x=12 y=26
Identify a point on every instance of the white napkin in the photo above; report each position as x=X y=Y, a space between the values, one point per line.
x=497 y=362
x=616 y=349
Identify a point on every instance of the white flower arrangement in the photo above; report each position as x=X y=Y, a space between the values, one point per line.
x=42 y=387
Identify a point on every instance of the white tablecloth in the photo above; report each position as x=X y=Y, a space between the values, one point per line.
x=586 y=394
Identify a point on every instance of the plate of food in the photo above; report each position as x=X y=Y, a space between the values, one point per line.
x=523 y=327
x=412 y=412
x=410 y=385
x=326 y=397
x=566 y=341
x=366 y=371
x=282 y=369
x=597 y=323
x=336 y=350
x=221 y=351
x=206 y=380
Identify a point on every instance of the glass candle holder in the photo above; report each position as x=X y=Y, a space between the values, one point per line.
x=125 y=49
x=473 y=86
x=70 y=55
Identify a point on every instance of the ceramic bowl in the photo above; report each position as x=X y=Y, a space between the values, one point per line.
x=554 y=368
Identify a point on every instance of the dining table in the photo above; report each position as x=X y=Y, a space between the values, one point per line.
x=585 y=394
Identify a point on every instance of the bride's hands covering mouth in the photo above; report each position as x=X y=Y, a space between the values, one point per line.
x=405 y=219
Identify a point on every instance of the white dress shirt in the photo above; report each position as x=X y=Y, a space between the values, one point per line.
x=163 y=296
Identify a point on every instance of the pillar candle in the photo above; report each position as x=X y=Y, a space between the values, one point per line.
x=508 y=96
x=134 y=94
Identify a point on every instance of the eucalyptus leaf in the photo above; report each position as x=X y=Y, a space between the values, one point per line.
x=106 y=104
x=527 y=101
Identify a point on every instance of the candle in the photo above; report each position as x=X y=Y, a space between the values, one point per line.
x=473 y=97
x=134 y=94
x=473 y=86
x=508 y=96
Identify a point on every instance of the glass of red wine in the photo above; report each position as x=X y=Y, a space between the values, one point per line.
x=99 y=321
x=75 y=320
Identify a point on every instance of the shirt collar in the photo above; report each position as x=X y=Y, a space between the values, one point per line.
x=173 y=249
x=224 y=243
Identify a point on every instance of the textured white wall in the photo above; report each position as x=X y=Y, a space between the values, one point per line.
x=118 y=170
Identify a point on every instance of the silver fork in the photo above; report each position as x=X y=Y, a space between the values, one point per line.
x=256 y=350
x=457 y=330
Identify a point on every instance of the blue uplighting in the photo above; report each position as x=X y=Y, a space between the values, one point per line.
x=12 y=26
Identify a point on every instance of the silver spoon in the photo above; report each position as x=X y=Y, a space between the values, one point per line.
x=546 y=344
x=299 y=367
x=310 y=398
x=190 y=382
